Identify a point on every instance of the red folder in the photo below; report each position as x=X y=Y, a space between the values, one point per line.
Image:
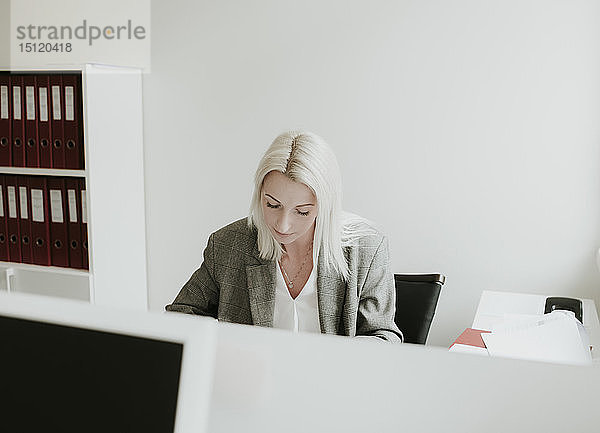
x=24 y=219
x=57 y=110
x=59 y=252
x=471 y=337
x=84 y=221
x=44 y=120
x=18 y=121
x=74 y=222
x=32 y=154
x=5 y=121
x=12 y=220
x=40 y=225
x=72 y=122
x=3 y=216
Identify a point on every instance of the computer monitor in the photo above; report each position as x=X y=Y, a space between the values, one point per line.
x=67 y=366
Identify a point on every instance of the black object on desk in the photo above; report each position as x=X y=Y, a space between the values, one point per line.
x=569 y=304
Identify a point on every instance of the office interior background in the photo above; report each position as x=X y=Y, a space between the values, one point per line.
x=467 y=130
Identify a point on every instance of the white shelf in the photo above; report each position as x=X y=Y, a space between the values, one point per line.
x=45 y=269
x=43 y=171
x=43 y=280
x=67 y=67
x=114 y=176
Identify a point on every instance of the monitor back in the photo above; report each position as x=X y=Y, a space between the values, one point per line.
x=104 y=371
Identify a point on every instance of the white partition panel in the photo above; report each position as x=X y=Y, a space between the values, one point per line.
x=113 y=115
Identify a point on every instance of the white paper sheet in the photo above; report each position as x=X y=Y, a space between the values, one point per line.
x=493 y=306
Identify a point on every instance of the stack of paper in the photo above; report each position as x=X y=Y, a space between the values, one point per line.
x=554 y=337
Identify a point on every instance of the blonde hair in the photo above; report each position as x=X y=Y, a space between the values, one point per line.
x=306 y=158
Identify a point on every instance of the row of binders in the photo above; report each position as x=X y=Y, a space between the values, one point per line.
x=43 y=220
x=41 y=120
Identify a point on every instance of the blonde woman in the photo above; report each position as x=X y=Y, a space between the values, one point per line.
x=297 y=262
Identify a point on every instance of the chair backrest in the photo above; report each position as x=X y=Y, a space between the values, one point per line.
x=416 y=299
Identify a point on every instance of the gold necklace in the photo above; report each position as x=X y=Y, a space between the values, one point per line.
x=290 y=282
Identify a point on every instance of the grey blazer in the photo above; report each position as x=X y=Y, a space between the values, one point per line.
x=235 y=285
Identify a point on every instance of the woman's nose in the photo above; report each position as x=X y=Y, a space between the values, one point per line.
x=283 y=223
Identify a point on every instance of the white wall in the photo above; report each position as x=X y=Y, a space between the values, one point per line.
x=468 y=130
x=4 y=32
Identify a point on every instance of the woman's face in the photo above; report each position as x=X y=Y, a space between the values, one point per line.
x=289 y=208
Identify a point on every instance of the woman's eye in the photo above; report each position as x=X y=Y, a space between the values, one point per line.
x=273 y=206
x=303 y=213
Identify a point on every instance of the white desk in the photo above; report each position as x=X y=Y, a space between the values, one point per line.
x=494 y=305
x=273 y=381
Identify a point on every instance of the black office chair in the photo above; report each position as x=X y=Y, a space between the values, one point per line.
x=416 y=298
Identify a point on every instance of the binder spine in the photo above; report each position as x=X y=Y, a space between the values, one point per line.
x=44 y=121
x=40 y=225
x=32 y=154
x=18 y=123
x=5 y=121
x=58 y=114
x=84 y=224
x=74 y=222
x=72 y=122
x=3 y=229
x=12 y=219
x=25 y=219
x=58 y=225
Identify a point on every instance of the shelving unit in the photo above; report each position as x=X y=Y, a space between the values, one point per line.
x=114 y=176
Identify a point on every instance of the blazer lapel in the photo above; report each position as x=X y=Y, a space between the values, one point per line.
x=331 y=294
x=261 y=290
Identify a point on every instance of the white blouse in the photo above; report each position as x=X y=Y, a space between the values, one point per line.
x=300 y=314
